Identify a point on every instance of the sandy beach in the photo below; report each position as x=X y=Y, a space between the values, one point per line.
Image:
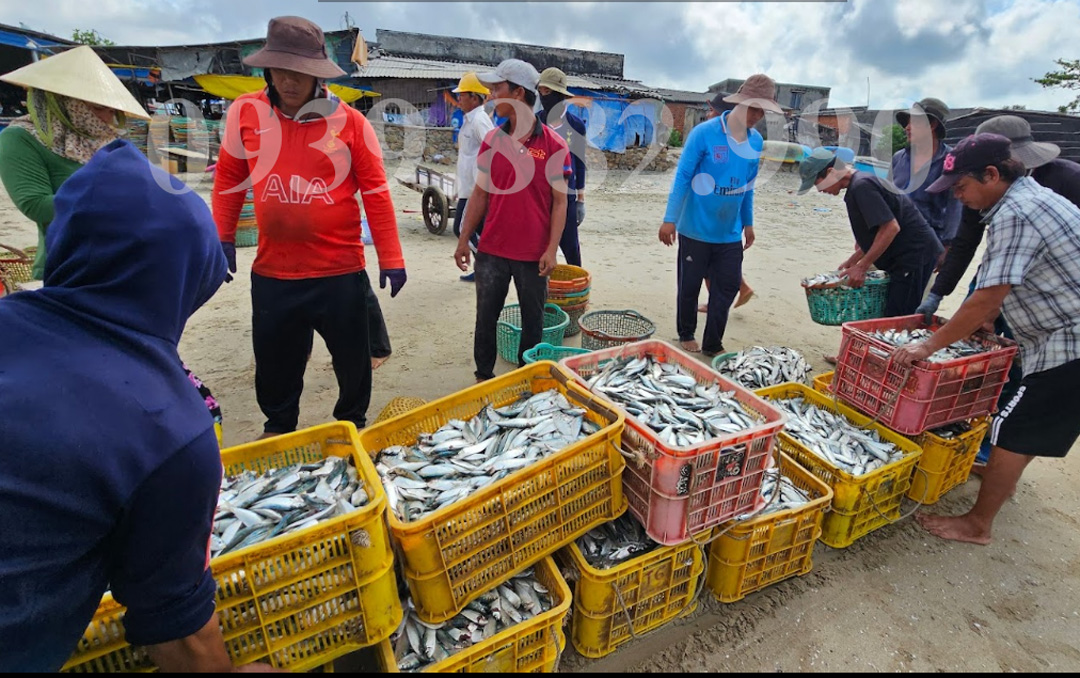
x=897 y=600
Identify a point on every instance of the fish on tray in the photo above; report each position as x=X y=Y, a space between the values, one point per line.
x=255 y=507
x=834 y=438
x=461 y=457
x=418 y=644
x=762 y=366
x=662 y=396
x=789 y=497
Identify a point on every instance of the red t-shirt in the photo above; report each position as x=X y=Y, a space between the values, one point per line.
x=305 y=175
x=520 y=180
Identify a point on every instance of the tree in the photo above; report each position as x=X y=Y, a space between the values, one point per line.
x=892 y=140
x=91 y=37
x=1067 y=78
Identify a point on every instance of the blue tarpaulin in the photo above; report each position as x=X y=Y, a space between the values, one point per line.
x=614 y=122
x=13 y=39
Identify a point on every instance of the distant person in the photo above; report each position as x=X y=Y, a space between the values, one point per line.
x=474 y=127
x=553 y=98
x=1042 y=163
x=914 y=168
x=710 y=210
x=523 y=227
x=1029 y=272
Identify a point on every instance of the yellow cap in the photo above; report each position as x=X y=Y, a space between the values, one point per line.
x=470 y=83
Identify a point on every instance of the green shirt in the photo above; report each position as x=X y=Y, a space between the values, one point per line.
x=32 y=174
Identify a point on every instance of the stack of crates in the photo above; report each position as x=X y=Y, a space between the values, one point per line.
x=678 y=495
x=460 y=553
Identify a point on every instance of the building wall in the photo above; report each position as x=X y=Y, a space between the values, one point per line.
x=685 y=116
x=784 y=92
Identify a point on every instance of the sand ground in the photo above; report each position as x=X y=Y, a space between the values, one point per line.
x=896 y=600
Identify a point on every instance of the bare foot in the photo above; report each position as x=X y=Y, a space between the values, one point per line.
x=745 y=295
x=703 y=308
x=831 y=359
x=954 y=528
x=266 y=435
x=376 y=363
x=690 y=346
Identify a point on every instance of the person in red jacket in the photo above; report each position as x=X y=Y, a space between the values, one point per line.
x=306 y=155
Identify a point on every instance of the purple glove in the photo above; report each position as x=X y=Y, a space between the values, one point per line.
x=229 y=248
x=397 y=278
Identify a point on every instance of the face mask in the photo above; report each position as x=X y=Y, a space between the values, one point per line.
x=550 y=101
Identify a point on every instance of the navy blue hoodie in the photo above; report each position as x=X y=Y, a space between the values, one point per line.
x=109 y=468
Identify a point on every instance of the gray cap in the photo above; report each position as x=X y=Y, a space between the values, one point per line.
x=812 y=166
x=930 y=107
x=515 y=71
x=1024 y=147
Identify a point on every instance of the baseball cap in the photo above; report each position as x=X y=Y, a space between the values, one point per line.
x=971 y=155
x=812 y=166
x=515 y=71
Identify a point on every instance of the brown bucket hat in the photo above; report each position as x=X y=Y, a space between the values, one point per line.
x=932 y=108
x=295 y=44
x=758 y=90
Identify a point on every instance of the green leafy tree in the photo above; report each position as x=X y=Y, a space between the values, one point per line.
x=91 y=37
x=893 y=139
x=1067 y=78
x=674 y=139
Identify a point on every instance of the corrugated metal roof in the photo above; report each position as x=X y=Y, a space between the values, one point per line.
x=427 y=69
x=684 y=95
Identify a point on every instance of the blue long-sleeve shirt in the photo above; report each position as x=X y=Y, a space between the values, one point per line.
x=572 y=129
x=712 y=197
x=941 y=210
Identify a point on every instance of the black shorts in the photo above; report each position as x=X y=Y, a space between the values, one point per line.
x=1043 y=418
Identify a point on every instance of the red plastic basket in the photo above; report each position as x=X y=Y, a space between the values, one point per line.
x=679 y=492
x=930 y=394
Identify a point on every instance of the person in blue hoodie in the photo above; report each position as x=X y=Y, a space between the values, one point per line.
x=711 y=209
x=109 y=466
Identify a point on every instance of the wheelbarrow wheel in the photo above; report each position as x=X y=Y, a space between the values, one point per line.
x=436 y=210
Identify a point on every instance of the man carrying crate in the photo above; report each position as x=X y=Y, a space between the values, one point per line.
x=1029 y=274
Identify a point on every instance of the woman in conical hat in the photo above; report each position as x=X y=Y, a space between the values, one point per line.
x=76 y=106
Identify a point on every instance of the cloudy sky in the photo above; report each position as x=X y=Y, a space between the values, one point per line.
x=966 y=52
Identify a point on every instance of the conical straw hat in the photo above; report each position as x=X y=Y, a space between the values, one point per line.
x=80 y=74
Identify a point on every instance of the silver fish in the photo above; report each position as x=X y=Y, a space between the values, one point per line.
x=463 y=456
x=959 y=349
x=834 y=438
x=760 y=366
x=418 y=645
x=779 y=493
x=834 y=279
x=615 y=542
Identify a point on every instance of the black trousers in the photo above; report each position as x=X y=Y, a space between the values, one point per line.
x=284 y=315
x=721 y=265
x=493 y=276
x=569 y=243
x=906 y=287
x=459 y=218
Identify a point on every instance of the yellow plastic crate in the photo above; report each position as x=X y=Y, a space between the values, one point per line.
x=397 y=407
x=613 y=606
x=945 y=463
x=296 y=601
x=861 y=504
x=759 y=552
x=533 y=646
x=456 y=553
x=823 y=381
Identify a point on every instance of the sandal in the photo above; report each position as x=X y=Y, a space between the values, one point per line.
x=690 y=346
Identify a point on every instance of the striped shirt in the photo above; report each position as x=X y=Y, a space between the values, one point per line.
x=1033 y=245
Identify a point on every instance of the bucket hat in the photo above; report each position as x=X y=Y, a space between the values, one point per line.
x=759 y=90
x=295 y=44
x=930 y=107
x=1024 y=147
x=555 y=80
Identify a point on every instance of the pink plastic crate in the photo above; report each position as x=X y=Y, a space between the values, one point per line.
x=931 y=394
x=679 y=492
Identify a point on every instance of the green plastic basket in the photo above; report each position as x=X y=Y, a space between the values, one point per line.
x=553 y=353
x=722 y=358
x=247 y=237
x=508 y=331
x=838 y=305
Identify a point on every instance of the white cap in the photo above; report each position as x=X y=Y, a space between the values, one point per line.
x=515 y=71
